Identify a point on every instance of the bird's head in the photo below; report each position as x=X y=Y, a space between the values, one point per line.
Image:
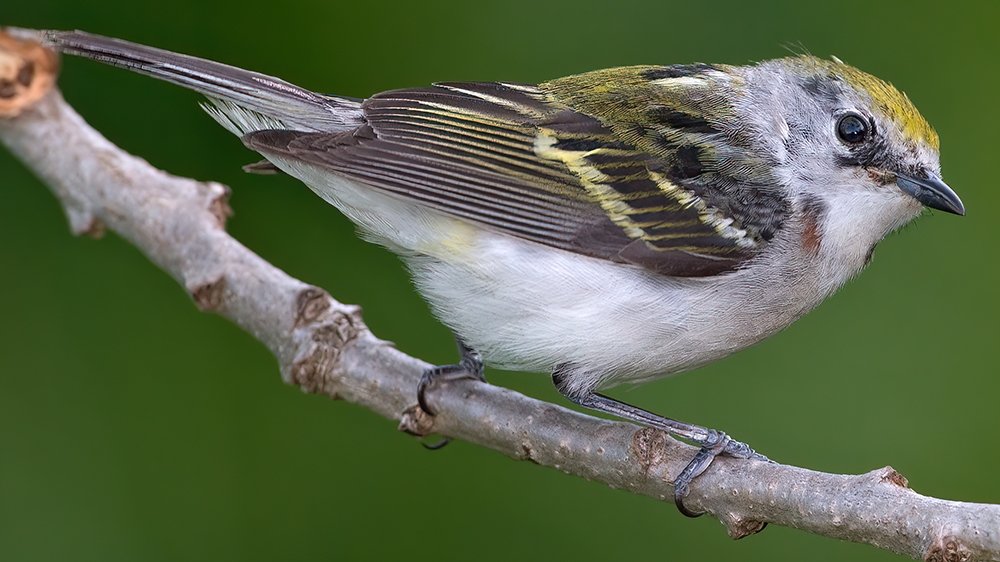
x=798 y=140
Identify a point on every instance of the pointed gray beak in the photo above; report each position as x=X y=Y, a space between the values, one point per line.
x=932 y=192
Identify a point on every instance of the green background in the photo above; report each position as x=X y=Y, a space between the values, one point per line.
x=133 y=427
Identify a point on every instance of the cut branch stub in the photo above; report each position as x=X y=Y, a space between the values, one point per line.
x=27 y=72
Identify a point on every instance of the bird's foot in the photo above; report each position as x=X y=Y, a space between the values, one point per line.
x=469 y=367
x=717 y=443
x=712 y=442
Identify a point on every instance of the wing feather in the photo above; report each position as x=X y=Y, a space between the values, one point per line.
x=513 y=159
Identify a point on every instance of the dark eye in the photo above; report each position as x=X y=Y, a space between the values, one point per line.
x=852 y=128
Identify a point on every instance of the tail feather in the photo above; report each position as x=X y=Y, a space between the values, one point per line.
x=242 y=101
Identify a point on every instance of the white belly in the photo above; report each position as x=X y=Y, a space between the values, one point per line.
x=530 y=307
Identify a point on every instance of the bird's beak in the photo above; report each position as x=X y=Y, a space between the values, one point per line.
x=932 y=192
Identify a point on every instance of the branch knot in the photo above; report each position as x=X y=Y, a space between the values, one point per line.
x=947 y=549
x=324 y=328
x=208 y=297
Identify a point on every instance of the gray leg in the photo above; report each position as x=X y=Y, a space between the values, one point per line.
x=713 y=443
x=469 y=367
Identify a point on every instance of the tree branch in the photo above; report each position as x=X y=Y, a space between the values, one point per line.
x=324 y=347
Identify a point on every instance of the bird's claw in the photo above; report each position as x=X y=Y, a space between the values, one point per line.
x=717 y=443
x=469 y=367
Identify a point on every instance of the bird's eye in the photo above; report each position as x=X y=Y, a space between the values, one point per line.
x=852 y=128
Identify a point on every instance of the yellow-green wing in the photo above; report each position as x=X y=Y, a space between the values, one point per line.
x=515 y=159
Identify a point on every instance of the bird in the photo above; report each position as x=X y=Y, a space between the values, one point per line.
x=610 y=227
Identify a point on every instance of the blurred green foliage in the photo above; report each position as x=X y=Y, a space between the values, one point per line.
x=133 y=427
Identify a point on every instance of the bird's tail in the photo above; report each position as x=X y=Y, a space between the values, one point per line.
x=242 y=101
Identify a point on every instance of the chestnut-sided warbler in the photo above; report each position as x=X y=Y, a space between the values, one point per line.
x=611 y=227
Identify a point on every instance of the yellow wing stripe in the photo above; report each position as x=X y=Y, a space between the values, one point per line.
x=599 y=185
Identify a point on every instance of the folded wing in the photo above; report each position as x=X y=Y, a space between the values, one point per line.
x=510 y=158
